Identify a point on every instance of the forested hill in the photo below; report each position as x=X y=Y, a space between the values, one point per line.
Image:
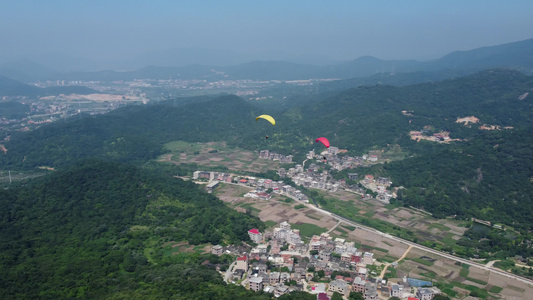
x=488 y=177
x=131 y=133
x=356 y=119
x=359 y=119
x=365 y=117
x=97 y=231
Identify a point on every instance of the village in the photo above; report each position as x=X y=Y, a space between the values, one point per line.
x=404 y=274
x=280 y=262
x=314 y=176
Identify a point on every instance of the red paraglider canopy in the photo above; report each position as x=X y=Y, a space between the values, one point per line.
x=323 y=140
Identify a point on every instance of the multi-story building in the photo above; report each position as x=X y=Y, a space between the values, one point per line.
x=285 y=225
x=212 y=185
x=346 y=257
x=325 y=255
x=395 y=291
x=217 y=250
x=368 y=258
x=293 y=238
x=371 y=291
x=274 y=277
x=358 y=285
x=362 y=272
x=255 y=235
x=356 y=257
x=339 y=286
x=242 y=263
x=424 y=294
x=256 y=283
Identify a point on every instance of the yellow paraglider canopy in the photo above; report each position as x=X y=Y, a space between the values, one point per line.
x=268 y=118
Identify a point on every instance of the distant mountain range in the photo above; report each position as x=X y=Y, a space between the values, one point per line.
x=516 y=55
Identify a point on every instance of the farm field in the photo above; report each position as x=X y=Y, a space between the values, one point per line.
x=390 y=218
x=275 y=211
x=216 y=154
x=448 y=275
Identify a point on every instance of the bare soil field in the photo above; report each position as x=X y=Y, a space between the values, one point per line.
x=275 y=210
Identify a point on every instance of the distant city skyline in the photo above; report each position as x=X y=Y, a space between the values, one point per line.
x=309 y=31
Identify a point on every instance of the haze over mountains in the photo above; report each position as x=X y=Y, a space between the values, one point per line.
x=215 y=65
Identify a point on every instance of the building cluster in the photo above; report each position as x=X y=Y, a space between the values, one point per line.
x=331 y=158
x=281 y=263
x=260 y=185
x=312 y=177
x=380 y=186
x=51 y=110
x=284 y=159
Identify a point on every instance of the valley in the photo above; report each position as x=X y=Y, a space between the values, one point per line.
x=445 y=271
x=409 y=177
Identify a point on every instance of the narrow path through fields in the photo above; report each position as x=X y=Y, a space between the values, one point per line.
x=333 y=228
x=397 y=261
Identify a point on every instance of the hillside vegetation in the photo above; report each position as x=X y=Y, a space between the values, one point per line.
x=486 y=174
x=97 y=230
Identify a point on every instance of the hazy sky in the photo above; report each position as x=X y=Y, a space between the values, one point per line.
x=325 y=30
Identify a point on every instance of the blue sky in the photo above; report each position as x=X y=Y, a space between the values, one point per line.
x=289 y=30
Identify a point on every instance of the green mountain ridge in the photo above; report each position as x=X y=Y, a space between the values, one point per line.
x=359 y=119
x=86 y=231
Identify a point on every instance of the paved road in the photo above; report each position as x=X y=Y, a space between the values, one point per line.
x=430 y=250
x=414 y=245
x=229 y=271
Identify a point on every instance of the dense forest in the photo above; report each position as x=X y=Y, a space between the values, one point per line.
x=486 y=175
x=97 y=230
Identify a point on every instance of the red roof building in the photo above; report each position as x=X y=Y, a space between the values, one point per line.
x=255 y=235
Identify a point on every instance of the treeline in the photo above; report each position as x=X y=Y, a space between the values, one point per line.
x=96 y=231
